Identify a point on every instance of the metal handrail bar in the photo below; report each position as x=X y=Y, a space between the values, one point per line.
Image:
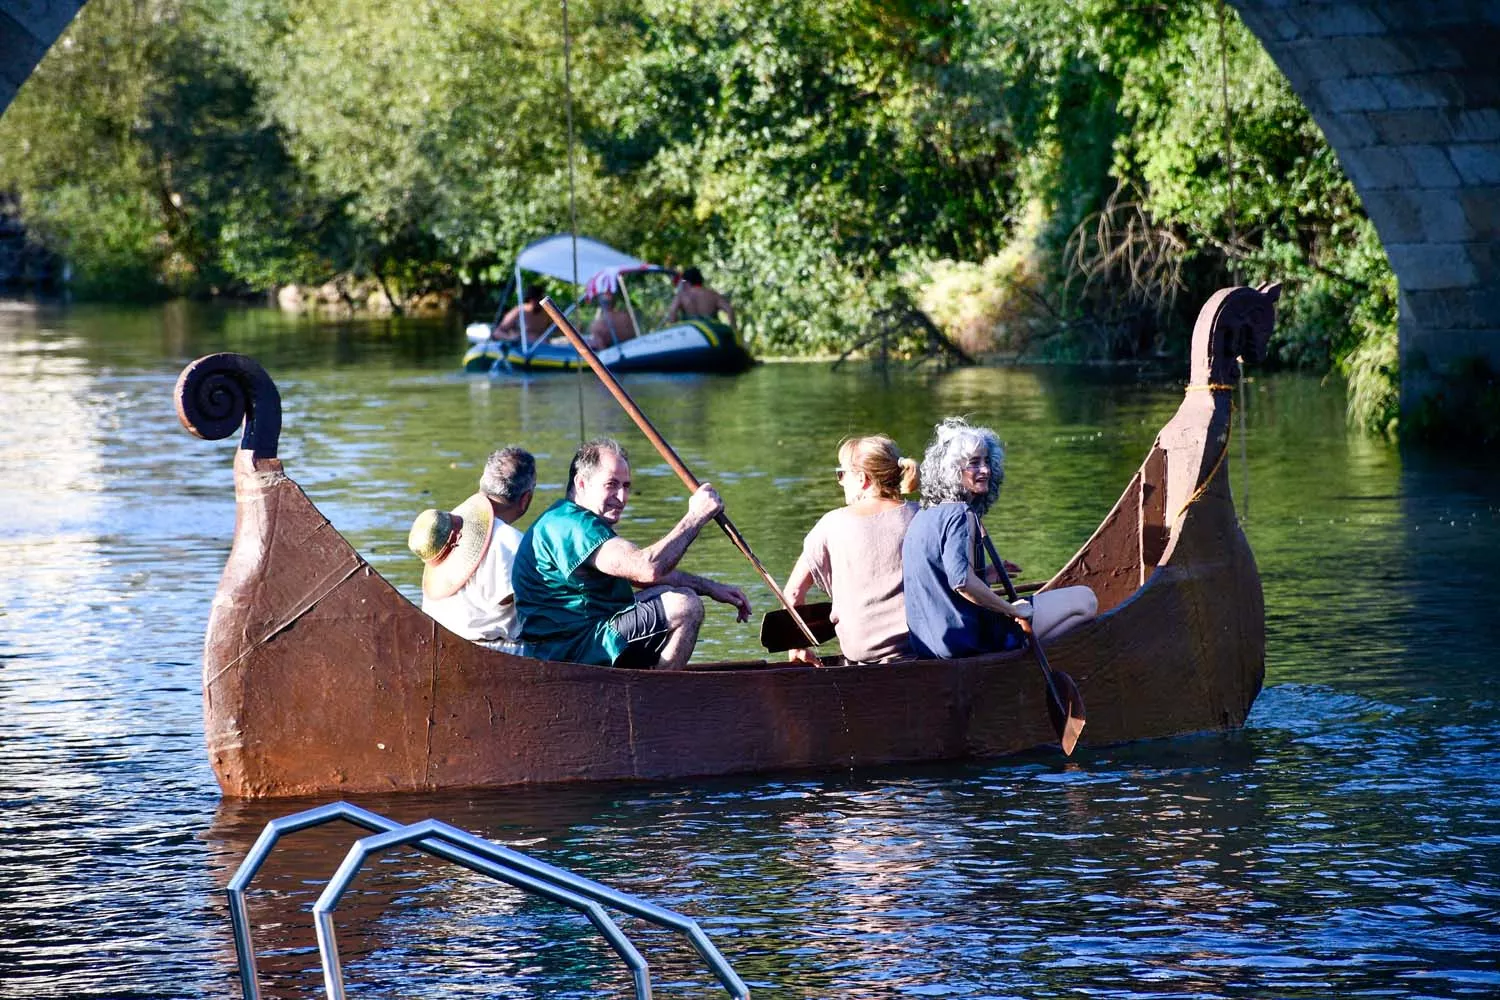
x=515 y=861
x=431 y=835
x=439 y=839
x=239 y=919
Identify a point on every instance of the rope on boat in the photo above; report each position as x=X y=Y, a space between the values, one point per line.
x=1202 y=488
x=1243 y=508
x=1223 y=455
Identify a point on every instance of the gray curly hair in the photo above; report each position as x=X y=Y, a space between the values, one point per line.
x=508 y=473
x=954 y=442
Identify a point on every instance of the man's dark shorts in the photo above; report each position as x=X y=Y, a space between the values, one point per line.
x=644 y=628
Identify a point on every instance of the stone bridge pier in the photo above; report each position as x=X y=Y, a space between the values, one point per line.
x=1407 y=93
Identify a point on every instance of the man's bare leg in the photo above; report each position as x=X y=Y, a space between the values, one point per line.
x=684 y=614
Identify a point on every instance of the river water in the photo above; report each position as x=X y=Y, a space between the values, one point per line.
x=1346 y=842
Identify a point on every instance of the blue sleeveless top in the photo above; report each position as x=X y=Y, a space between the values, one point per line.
x=934 y=563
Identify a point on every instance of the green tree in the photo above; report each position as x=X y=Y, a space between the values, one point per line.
x=804 y=150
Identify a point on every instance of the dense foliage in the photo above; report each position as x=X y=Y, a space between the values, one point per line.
x=1067 y=178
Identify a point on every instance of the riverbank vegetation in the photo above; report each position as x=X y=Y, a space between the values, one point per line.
x=1050 y=178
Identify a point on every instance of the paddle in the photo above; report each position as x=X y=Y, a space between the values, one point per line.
x=1067 y=715
x=665 y=450
x=779 y=632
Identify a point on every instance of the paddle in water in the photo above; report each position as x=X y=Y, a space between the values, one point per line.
x=665 y=450
x=1064 y=700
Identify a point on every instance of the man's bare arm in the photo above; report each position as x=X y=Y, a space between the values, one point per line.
x=646 y=567
x=652 y=565
x=721 y=592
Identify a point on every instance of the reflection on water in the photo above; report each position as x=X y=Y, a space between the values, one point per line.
x=1347 y=842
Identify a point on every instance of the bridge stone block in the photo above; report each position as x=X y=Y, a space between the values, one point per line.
x=1350 y=93
x=1314 y=60
x=1407 y=127
x=1425 y=266
x=1420 y=90
x=1431 y=166
x=1380 y=167
x=1477 y=125
x=1376 y=55
x=1415 y=216
x=1481 y=206
x=1478 y=163
x=1451 y=308
x=1334 y=20
x=1349 y=132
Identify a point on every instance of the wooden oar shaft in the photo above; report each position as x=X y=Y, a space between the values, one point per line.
x=665 y=450
x=1069 y=725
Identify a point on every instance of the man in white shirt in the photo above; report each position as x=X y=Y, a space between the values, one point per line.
x=468 y=553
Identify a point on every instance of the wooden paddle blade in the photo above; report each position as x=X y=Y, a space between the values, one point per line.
x=1067 y=718
x=779 y=631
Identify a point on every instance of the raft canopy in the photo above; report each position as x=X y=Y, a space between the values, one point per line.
x=553 y=257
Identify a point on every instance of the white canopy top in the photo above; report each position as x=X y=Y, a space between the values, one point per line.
x=553 y=256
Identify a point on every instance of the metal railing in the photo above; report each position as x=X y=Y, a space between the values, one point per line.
x=475 y=853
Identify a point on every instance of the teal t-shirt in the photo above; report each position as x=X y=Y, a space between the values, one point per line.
x=563 y=605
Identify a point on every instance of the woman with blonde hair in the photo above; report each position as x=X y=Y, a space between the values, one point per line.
x=853 y=553
x=950 y=607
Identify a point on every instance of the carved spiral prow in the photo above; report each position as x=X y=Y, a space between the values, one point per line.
x=219 y=392
x=1234 y=323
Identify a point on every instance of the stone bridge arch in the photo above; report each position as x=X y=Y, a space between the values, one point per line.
x=1407 y=93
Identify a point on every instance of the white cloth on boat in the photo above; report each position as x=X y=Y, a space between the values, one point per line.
x=484 y=608
x=608 y=280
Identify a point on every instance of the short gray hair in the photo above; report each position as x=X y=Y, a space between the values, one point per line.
x=508 y=474
x=589 y=456
x=954 y=442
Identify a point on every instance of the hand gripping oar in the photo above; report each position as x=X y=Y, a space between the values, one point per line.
x=1064 y=701
x=688 y=479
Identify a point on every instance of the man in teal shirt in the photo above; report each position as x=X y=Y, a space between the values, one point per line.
x=575 y=578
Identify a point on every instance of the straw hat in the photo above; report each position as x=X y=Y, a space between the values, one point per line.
x=452 y=544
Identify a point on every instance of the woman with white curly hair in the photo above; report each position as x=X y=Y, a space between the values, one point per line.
x=950 y=609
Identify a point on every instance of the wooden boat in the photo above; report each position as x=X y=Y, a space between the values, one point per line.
x=319 y=677
x=692 y=344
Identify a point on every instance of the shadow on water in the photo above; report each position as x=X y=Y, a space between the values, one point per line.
x=1347 y=842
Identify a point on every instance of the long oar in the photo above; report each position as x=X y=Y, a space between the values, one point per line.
x=1064 y=700
x=688 y=479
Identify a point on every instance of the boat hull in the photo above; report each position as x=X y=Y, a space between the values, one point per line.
x=690 y=346
x=327 y=680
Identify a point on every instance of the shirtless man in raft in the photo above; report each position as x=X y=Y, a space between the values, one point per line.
x=694 y=298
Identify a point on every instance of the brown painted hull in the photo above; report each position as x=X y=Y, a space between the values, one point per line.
x=321 y=678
